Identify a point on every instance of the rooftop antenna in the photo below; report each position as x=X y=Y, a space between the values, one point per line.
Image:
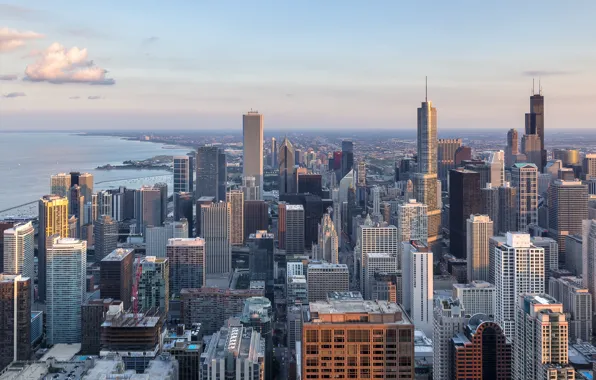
x=533 y=92
x=426 y=89
x=539 y=87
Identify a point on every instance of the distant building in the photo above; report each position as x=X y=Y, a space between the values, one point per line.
x=183 y=208
x=296 y=290
x=154 y=284
x=450 y=318
x=479 y=231
x=256 y=217
x=567 y=208
x=105 y=234
x=465 y=200
x=235 y=198
x=524 y=177
x=216 y=227
x=252 y=157
x=15 y=313
x=116 y=276
x=186 y=264
x=60 y=184
x=93 y=314
x=182 y=174
x=294 y=229
x=446 y=157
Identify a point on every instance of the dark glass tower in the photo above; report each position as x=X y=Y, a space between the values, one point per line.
x=535 y=122
x=464 y=200
x=347 y=157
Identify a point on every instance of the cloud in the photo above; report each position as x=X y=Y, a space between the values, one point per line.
x=14 y=95
x=8 y=77
x=74 y=97
x=94 y=97
x=546 y=73
x=58 y=64
x=11 y=39
x=150 y=40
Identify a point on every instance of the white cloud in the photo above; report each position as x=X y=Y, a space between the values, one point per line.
x=57 y=64
x=11 y=39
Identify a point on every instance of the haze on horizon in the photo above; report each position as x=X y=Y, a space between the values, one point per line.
x=200 y=65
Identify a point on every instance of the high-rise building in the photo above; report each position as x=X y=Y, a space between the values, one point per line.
x=482 y=351
x=387 y=287
x=154 y=284
x=446 y=157
x=530 y=146
x=201 y=201
x=60 y=184
x=541 y=339
x=296 y=290
x=261 y=263
x=418 y=284
x=535 y=122
x=519 y=268
x=116 y=276
x=327 y=247
x=215 y=224
x=426 y=143
x=104 y=203
x=258 y=314
x=374 y=238
x=222 y=176
x=569 y=157
x=490 y=205
x=273 y=152
x=524 y=177
x=497 y=168
x=281 y=224
x=4 y=225
x=324 y=278
x=551 y=256
x=183 y=208
x=286 y=167
x=567 y=208
x=577 y=303
x=376 y=262
x=361 y=178
x=256 y=217
x=412 y=223
x=376 y=200
x=512 y=148
x=589 y=166
x=19 y=250
x=85 y=181
x=252 y=137
x=479 y=231
x=464 y=200
x=234 y=350
x=93 y=314
x=156 y=240
x=250 y=189
x=150 y=209
x=347 y=157
x=310 y=183
x=187 y=264
x=450 y=318
x=294 y=229
x=53 y=219
x=463 y=153
x=589 y=257
x=209 y=172
x=182 y=174
x=426 y=190
x=507 y=208
x=15 y=314
x=163 y=192
x=477 y=297
x=235 y=199
x=66 y=275
x=105 y=233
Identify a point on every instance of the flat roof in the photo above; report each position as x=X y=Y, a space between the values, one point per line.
x=327 y=266
x=294 y=207
x=21 y=371
x=62 y=352
x=358 y=307
x=118 y=254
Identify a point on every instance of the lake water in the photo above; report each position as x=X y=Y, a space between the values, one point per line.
x=27 y=160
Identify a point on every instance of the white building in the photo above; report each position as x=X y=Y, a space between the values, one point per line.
x=376 y=262
x=295 y=268
x=19 y=250
x=477 y=297
x=327 y=248
x=450 y=318
x=66 y=285
x=417 y=275
x=252 y=148
x=577 y=302
x=375 y=238
x=479 y=231
x=412 y=222
x=215 y=227
x=524 y=177
x=519 y=268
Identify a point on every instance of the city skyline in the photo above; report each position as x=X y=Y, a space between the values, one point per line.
x=298 y=76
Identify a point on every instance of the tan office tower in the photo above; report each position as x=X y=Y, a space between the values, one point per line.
x=53 y=219
x=286 y=162
x=235 y=199
x=86 y=184
x=215 y=227
x=531 y=148
x=357 y=339
x=479 y=231
x=281 y=225
x=60 y=184
x=512 y=150
x=252 y=133
x=446 y=157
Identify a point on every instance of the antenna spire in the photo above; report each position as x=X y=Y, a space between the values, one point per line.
x=426 y=89
x=533 y=91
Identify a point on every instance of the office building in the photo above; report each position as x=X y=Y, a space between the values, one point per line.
x=479 y=231
x=490 y=205
x=496 y=163
x=383 y=322
x=187 y=262
x=116 y=276
x=551 y=256
x=4 y=225
x=15 y=314
x=535 y=122
x=324 y=278
x=235 y=199
x=256 y=217
x=156 y=240
x=273 y=152
x=310 y=183
x=252 y=137
x=512 y=148
x=294 y=229
x=589 y=166
x=569 y=157
x=507 y=208
x=327 y=247
x=530 y=147
x=519 y=268
x=464 y=200
x=417 y=272
x=60 y=184
x=387 y=287
x=93 y=314
x=524 y=177
x=541 y=339
x=573 y=254
x=450 y=318
x=567 y=208
x=66 y=274
x=481 y=351
x=347 y=157
x=250 y=189
x=201 y=201
x=373 y=238
x=183 y=208
x=477 y=297
x=258 y=315
x=53 y=219
x=154 y=284
x=211 y=306
x=19 y=251
x=286 y=167
x=85 y=181
x=589 y=257
x=463 y=153
x=150 y=208
x=412 y=222
x=577 y=303
x=446 y=157
x=296 y=290
x=376 y=262
x=182 y=174
x=105 y=234
x=234 y=350
x=215 y=224
x=177 y=229
x=261 y=260
x=222 y=176
x=211 y=173
x=163 y=192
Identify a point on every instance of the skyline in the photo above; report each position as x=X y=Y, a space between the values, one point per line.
x=197 y=65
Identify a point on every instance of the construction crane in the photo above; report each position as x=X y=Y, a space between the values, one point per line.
x=135 y=288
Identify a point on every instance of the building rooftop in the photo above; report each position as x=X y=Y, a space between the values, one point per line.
x=62 y=352
x=12 y=277
x=344 y=296
x=118 y=318
x=118 y=254
x=234 y=339
x=297 y=279
x=327 y=266
x=25 y=371
x=261 y=235
x=475 y=285
x=378 y=255
x=521 y=165
x=294 y=207
x=318 y=311
x=186 y=242
x=422 y=344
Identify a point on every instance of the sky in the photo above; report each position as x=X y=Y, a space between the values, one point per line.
x=312 y=64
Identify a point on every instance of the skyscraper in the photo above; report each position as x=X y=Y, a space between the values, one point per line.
x=374 y=238
x=294 y=229
x=187 y=264
x=490 y=205
x=222 y=176
x=60 y=184
x=85 y=181
x=535 y=122
x=589 y=166
x=182 y=174
x=19 y=250
x=150 y=200
x=53 y=219
x=252 y=133
x=412 y=223
x=450 y=318
x=250 y=189
x=66 y=275
x=417 y=272
x=163 y=192
x=256 y=217
x=258 y=314
x=327 y=247
x=375 y=263
x=347 y=157
x=105 y=234
x=261 y=263
x=235 y=199
x=156 y=240
x=567 y=208
x=507 y=208
x=15 y=314
x=286 y=167
x=154 y=284
x=116 y=276
x=464 y=200
x=589 y=257
x=524 y=177
x=530 y=146
x=512 y=148
x=479 y=231
x=273 y=152
x=477 y=297
x=577 y=302
x=183 y=208
x=497 y=168
x=209 y=172
x=446 y=157
x=4 y=225
x=216 y=226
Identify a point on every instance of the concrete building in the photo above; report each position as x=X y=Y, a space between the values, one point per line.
x=373 y=238
x=256 y=217
x=512 y=149
x=150 y=208
x=15 y=314
x=252 y=137
x=450 y=319
x=387 y=324
x=296 y=290
x=324 y=278
x=251 y=190
x=66 y=274
x=496 y=162
x=589 y=257
x=183 y=209
x=464 y=200
x=295 y=318
x=285 y=164
x=105 y=236
x=294 y=229
x=412 y=223
x=375 y=262
x=215 y=229
x=446 y=157
x=479 y=231
x=210 y=170
x=154 y=284
x=573 y=254
x=490 y=205
x=418 y=284
x=258 y=315
x=116 y=276
x=187 y=264
x=182 y=174
x=19 y=250
x=60 y=184
x=507 y=208
x=235 y=198
x=156 y=240
x=524 y=177
x=567 y=208
x=93 y=314
x=577 y=303
x=477 y=297
x=387 y=287
x=551 y=255
x=327 y=247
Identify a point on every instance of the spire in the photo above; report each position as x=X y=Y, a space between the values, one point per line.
x=426 y=89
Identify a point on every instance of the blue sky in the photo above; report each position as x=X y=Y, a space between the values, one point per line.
x=303 y=64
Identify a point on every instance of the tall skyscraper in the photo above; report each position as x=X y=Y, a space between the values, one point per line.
x=417 y=272
x=519 y=268
x=256 y=217
x=375 y=263
x=541 y=339
x=182 y=174
x=589 y=257
x=490 y=205
x=347 y=157
x=530 y=146
x=535 y=123
x=187 y=264
x=294 y=229
x=374 y=238
x=258 y=314
x=577 y=302
x=19 y=250
x=512 y=148
x=53 y=219
x=216 y=226
x=273 y=152
x=479 y=231
x=252 y=134
x=156 y=240
x=464 y=200
x=105 y=234
x=261 y=263
x=60 y=184
x=446 y=158
x=15 y=314
x=85 y=181
x=183 y=208
x=211 y=170
x=324 y=278
x=507 y=208
x=589 y=166
x=150 y=209
x=235 y=199
x=250 y=189
x=310 y=183
x=376 y=200
x=412 y=223
x=477 y=297
x=450 y=318
x=286 y=167
x=66 y=286
x=567 y=208
x=163 y=192
x=154 y=284
x=524 y=177
x=116 y=275
x=327 y=247
x=4 y=225
x=497 y=168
